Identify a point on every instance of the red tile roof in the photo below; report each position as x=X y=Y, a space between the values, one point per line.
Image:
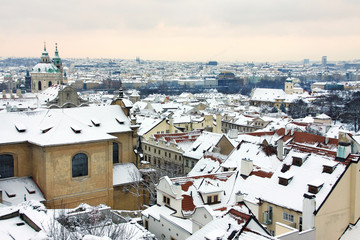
x=239 y=216
x=187 y=204
x=262 y=174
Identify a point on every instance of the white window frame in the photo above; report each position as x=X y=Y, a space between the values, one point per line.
x=288 y=217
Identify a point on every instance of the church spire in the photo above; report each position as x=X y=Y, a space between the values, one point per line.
x=56 y=51
x=45 y=56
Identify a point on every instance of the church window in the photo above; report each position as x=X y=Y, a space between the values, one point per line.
x=80 y=165
x=115 y=152
x=39 y=86
x=6 y=166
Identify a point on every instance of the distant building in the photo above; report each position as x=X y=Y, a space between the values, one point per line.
x=212 y=63
x=47 y=72
x=324 y=61
x=28 y=81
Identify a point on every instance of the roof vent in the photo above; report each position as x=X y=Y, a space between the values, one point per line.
x=20 y=127
x=10 y=194
x=95 y=122
x=46 y=129
x=30 y=190
x=120 y=121
x=76 y=129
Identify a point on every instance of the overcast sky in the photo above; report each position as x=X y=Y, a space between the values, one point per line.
x=183 y=30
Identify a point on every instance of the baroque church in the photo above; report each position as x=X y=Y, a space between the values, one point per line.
x=48 y=72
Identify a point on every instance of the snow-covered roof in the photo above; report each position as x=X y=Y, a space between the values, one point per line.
x=235 y=222
x=267 y=94
x=18 y=190
x=291 y=195
x=147 y=123
x=125 y=173
x=63 y=126
x=45 y=68
x=203 y=143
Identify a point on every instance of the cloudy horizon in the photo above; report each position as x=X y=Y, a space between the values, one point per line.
x=183 y=30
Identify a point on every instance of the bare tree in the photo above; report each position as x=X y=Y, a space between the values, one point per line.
x=96 y=221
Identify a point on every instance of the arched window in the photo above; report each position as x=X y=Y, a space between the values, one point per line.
x=39 y=85
x=50 y=84
x=115 y=152
x=80 y=165
x=6 y=166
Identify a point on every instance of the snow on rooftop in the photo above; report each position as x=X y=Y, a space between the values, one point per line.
x=46 y=127
x=291 y=196
x=125 y=173
x=18 y=190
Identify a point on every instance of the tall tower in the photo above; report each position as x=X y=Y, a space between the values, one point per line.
x=44 y=56
x=289 y=86
x=324 y=61
x=57 y=60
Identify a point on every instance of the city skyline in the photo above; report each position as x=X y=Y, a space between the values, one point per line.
x=183 y=30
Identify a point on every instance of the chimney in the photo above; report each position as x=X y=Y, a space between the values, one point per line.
x=246 y=166
x=286 y=131
x=326 y=140
x=171 y=125
x=280 y=149
x=239 y=197
x=308 y=218
x=233 y=134
x=177 y=189
x=218 y=123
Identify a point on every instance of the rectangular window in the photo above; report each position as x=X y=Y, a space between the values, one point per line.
x=159 y=152
x=166 y=200
x=169 y=155
x=175 y=157
x=192 y=164
x=154 y=150
x=209 y=199
x=145 y=147
x=288 y=217
x=165 y=154
x=186 y=163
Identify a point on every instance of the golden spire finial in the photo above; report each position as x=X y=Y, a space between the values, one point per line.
x=44 y=46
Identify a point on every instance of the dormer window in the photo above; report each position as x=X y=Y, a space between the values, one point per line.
x=315 y=186
x=329 y=167
x=212 y=199
x=299 y=159
x=285 y=179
